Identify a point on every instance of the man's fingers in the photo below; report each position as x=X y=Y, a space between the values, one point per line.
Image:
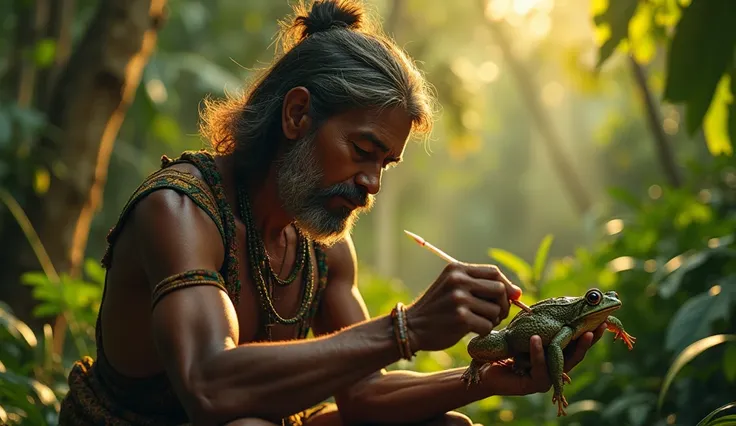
x=536 y=356
x=492 y=291
x=486 y=289
x=476 y=323
x=598 y=333
x=491 y=272
x=488 y=310
x=581 y=348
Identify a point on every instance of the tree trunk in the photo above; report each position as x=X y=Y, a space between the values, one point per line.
x=388 y=199
x=85 y=110
x=561 y=163
x=662 y=144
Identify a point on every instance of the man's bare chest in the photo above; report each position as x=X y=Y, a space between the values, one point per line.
x=260 y=295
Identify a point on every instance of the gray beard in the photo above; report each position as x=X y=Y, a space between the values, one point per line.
x=298 y=182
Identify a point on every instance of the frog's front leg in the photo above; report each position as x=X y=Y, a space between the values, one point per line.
x=555 y=366
x=614 y=324
x=484 y=349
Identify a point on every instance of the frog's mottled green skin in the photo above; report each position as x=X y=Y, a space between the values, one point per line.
x=557 y=321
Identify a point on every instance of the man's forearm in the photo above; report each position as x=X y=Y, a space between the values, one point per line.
x=273 y=380
x=407 y=397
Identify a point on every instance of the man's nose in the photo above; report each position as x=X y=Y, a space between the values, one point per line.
x=371 y=181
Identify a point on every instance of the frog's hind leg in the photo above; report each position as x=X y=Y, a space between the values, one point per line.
x=555 y=364
x=522 y=366
x=486 y=349
x=471 y=375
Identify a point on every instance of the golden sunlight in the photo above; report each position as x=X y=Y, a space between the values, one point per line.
x=503 y=9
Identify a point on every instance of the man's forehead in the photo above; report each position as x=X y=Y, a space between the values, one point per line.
x=387 y=128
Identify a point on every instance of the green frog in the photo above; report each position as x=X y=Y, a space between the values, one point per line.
x=557 y=321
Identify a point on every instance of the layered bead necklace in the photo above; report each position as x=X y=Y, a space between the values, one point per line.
x=264 y=276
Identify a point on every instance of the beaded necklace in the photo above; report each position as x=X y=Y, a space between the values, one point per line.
x=264 y=276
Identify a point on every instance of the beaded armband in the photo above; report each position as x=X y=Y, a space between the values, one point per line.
x=186 y=279
x=401 y=331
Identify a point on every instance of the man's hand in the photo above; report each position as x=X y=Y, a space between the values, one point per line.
x=504 y=381
x=464 y=298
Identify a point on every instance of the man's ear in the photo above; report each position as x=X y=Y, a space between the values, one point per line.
x=295 y=121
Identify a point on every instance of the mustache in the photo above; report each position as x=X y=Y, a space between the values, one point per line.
x=355 y=194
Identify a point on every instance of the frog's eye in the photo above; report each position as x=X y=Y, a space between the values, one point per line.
x=593 y=297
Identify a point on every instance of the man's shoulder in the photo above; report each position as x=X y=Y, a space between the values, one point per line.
x=341 y=257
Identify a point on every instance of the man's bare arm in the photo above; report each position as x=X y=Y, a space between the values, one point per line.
x=396 y=396
x=402 y=397
x=196 y=330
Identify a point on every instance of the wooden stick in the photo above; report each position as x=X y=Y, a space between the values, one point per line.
x=424 y=243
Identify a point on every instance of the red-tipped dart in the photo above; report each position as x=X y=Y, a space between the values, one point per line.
x=422 y=242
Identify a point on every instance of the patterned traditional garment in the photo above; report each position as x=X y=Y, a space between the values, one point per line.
x=98 y=394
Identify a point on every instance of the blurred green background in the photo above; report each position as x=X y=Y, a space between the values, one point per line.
x=580 y=143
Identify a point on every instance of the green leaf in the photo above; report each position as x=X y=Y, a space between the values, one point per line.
x=701 y=51
x=729 y=420
x=688 y=355
x=625 y=197
x=45 y=52
x=6 y=128
x=693 y=320
x=36 y=279
x=17 y=328
x=46 y=310
x=622 y=403
x=716 y=122
x=729 y=363
x=95 y=272
x=691 y=266
x=514 y=263
x=706 y=421
x=731 y=123
x=540 y=260
x=616 y=16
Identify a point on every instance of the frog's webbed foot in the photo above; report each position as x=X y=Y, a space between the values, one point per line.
x=614 y=325
x=471 y=375
x=559 y=399
x=508 y=362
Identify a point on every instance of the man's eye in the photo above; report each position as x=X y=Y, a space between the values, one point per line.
x=360 y=151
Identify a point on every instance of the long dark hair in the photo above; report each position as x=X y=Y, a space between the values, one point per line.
x=344 y=61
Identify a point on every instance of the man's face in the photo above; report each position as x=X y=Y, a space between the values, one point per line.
x=328 y=177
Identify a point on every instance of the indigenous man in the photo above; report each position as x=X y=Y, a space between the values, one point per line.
x=222 y=262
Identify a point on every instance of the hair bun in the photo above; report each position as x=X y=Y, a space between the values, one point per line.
x=328 y=14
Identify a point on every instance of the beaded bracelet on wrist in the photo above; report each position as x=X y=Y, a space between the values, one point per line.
x=401 y=331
